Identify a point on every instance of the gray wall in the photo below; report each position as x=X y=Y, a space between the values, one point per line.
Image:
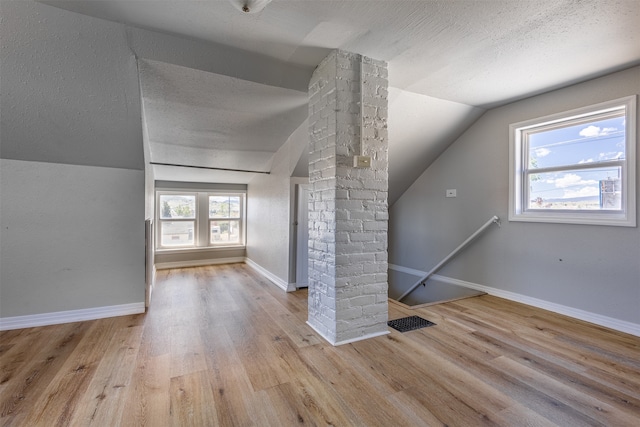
x=268 y=209
x=196 y=257
x=69 y=89
x=72 y=237
x=585 y=267
x=72 y=209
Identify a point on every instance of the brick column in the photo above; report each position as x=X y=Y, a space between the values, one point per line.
x=348 y=211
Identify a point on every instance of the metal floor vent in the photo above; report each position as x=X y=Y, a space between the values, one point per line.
x=410 y=323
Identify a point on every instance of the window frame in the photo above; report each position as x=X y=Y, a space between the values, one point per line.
x=202 y=238
x=519 y=170
x=239 y=218
x=160 y=220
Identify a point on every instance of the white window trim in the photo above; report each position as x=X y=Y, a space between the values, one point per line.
x=201 y=228
x=159 y=220
x=626 y=217
x=241 y=219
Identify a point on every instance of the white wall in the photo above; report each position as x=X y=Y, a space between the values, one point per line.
x=72 y=237
x=268 y=209
x=595 y=269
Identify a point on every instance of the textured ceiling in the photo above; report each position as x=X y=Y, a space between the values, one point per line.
x=473 y=52
x=205 y=119
x=448 y=61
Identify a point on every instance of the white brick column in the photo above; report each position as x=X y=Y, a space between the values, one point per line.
x=348 y=211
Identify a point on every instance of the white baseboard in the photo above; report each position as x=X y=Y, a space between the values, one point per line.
x=56 y=318
x=198 y=263
x=287 y=287
x=364 y=337
x=349 y=341
x=598 y=319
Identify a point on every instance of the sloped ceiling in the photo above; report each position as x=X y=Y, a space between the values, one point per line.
x=449 y=60
x=204 y=119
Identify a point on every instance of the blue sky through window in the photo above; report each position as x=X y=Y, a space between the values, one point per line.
x=586 y=143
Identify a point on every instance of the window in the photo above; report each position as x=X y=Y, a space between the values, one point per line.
x=177 y=220
x=576 y=167
x=224 y=219
x=199 y=219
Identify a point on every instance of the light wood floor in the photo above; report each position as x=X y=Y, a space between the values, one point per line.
x=223 y=346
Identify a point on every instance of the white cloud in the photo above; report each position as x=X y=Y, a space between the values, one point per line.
x=591 y=131
x=541 y=152
x=585 y=161
x=571 y=179
x=583 y=192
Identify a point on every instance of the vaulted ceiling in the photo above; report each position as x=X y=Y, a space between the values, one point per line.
x=449 y=61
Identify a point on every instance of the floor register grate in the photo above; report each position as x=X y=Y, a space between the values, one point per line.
x=410 y=323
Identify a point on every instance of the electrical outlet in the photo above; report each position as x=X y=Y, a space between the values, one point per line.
x=451 y=193
x=361 y=161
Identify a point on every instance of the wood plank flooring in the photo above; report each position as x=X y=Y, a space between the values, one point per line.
x=222 y=346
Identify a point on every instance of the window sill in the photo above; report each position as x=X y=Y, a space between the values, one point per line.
x=201 y=249
x=607 y=219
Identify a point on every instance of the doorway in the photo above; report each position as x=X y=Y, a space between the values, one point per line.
x=302 y=235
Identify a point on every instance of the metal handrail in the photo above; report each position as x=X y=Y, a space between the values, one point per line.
x=493 y=220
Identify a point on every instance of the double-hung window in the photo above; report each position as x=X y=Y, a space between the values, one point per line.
x=225 y=219
x=199 y=219
x=176 y=220
x=576 y=167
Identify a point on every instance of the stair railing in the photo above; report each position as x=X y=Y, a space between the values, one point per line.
x=493 y=220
